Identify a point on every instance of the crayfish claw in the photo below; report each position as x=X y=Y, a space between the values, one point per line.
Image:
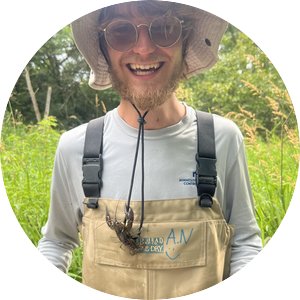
x=129 y=217
x=108 y=219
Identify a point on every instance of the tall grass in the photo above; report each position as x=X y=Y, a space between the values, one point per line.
x=27 y=156
x=273 y=179
x=273 y=155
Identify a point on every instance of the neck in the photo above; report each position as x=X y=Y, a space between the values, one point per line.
x=167 y=114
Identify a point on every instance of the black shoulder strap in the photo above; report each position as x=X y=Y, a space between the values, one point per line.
x=92 y=163
x=206 y=173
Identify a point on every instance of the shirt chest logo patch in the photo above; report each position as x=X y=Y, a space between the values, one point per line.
x=188 y=180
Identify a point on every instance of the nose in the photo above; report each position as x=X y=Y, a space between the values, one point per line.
x=144 y=43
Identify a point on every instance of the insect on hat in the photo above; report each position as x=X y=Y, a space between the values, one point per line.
x=203 y=32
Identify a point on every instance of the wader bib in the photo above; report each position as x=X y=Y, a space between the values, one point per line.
x=185 y=242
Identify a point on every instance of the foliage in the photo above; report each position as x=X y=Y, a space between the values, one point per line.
x=58 y=64
x=273 y=153
x=27 y=154
x=243 y=78
x=273 y=178
x=244 y=86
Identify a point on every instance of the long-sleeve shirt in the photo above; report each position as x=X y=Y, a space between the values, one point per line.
x=169 y=174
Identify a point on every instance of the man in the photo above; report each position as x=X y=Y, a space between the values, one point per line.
x=148 y=236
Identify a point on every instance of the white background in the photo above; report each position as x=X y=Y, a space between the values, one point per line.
x=26 y=25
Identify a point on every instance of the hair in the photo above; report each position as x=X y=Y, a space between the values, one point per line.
x=148 y=8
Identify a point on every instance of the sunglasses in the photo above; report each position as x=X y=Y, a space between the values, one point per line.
x=164 y=32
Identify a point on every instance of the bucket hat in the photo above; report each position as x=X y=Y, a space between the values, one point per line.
x=201 y=55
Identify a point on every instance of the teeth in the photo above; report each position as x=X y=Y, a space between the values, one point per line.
x=144 y=67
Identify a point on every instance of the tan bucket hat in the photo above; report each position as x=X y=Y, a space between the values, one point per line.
x=202 y=52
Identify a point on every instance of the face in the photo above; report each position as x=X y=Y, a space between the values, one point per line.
x=146 y=75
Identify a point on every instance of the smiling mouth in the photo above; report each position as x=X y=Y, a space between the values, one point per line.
x=143 y=70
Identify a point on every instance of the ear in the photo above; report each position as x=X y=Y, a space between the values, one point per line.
x=185 y=66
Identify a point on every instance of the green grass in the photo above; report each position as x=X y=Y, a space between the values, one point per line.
x=273 y=178
x=27 y=156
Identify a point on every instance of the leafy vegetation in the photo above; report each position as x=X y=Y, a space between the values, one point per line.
x=242 y=78
x=27 y=154
x=273 y=173
x=59 y=65
x=244 y=86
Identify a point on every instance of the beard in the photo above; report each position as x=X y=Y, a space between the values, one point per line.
x=147 y=97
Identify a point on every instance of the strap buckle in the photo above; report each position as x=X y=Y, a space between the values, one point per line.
x=92 y=203
x=92 y=170
x=205 y=200
x=206 y=180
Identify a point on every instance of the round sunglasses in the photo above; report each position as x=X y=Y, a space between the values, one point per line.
x=164 y=32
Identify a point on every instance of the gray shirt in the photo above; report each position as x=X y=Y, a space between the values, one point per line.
x=169 y=174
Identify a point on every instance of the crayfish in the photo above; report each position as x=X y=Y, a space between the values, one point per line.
x=123 y=229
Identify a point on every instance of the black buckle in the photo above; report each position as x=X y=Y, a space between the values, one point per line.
x=92 y=203
x=92 y=171
x=205 y=200
x=206 y=166
x=211 y=181
x=92 y=168
x=206 y=180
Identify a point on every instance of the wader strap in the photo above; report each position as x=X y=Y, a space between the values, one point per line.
x=92 y=163
x=206 y=173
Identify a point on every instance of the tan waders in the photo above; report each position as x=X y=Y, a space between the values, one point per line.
x=185 y=249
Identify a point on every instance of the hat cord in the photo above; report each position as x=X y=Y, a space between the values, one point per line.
x=140 y=138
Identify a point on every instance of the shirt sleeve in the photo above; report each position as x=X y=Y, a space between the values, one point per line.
x=246 y=243
x=60 y=234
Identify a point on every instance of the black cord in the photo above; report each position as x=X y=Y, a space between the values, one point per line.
x=134 y=167
x=142 y=122
x=143 y=174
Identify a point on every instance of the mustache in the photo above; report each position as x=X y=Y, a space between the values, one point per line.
x=135 y=58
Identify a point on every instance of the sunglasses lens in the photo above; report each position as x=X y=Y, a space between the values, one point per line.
x=165 y=31
x=121 y=35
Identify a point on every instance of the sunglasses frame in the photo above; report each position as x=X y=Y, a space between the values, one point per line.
x=136 y=28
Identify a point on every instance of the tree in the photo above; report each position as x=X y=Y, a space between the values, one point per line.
x=32 y=95
x=243 y=79
x=59 y=65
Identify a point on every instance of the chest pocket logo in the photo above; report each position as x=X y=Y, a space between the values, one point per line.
x=168 y=244
x=175 y=239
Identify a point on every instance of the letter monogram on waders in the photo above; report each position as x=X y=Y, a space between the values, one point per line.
x=186 y=242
